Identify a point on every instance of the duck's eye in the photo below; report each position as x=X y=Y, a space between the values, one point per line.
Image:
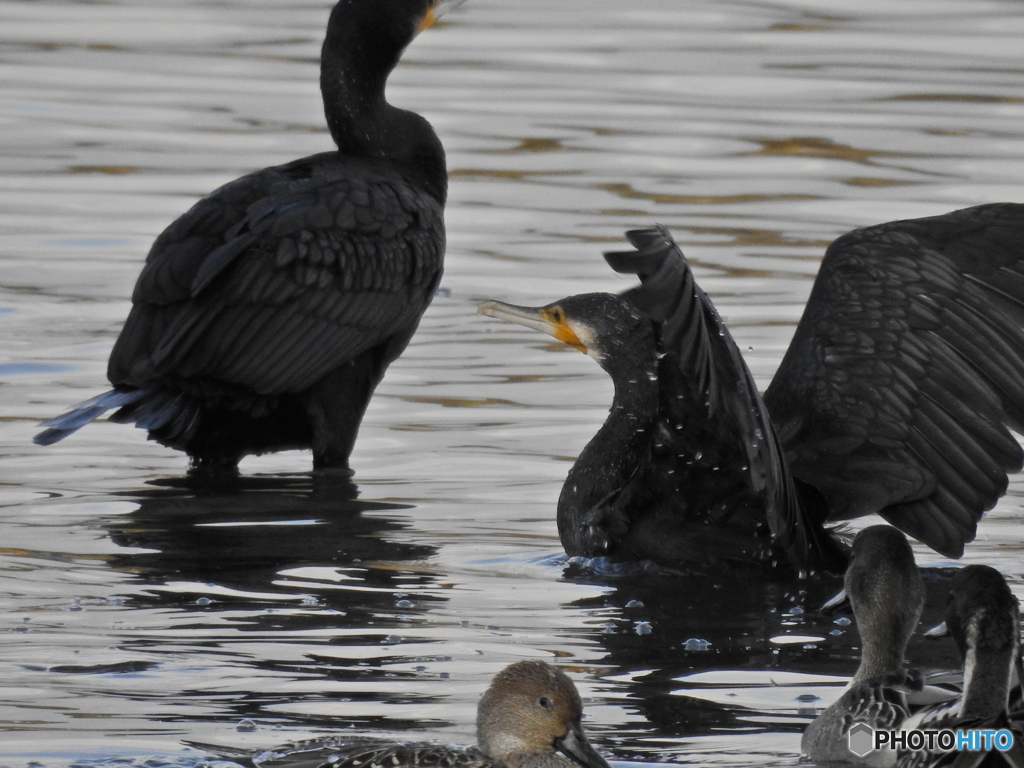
x=545 y=702
x=557 y=316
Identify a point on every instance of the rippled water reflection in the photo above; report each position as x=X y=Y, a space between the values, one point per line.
x=135 y=612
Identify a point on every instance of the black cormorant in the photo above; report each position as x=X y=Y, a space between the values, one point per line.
x=266 y=315
x=895 y=397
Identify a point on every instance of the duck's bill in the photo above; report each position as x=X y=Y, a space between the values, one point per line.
x=840 y=598
x=939 y=630
x=437 y=9
x=577 y=748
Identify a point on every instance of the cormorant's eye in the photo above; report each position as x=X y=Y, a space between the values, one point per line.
x=557 y=316
x=545 y=702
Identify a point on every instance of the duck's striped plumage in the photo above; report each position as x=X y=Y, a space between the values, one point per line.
x=529 y=717
x=885 y=590
x=983 y=617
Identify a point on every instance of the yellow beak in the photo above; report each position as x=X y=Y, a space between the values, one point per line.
x=437 y=9
x=547 y=320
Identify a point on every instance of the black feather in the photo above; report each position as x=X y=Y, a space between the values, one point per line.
x=265 y=316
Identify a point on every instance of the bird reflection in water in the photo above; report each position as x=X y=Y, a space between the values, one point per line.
x=245 y=540
x=275 y=561
x=728 y=653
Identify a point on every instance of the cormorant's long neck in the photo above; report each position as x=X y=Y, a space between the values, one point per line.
x=353 y=75
x=611 y=457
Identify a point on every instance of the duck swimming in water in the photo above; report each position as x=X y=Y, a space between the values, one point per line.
x=887 y=596
x=530 y=717
x=895 y=397
x=266 y=315
x=983 y=618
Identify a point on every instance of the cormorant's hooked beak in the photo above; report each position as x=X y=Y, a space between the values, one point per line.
x=576 y=747
x=437 y=9
x=549 y=319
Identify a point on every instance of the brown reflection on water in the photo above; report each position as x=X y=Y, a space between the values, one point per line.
x=816 y=146
x=625 y=190
x=113 y=170
x=871 y=181
x=762 y=237
x=961 y=98
x=464 y=173
x=534 y=144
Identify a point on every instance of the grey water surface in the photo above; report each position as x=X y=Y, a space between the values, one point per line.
x=135 y=612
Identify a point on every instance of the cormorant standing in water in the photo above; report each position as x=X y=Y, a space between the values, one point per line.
x=895 y=398
x=266 y=315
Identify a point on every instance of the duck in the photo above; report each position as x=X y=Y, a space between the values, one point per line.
x=887 y=595
x=983 y=618
x=266 y=315
x=896 y=397
x=529 y=717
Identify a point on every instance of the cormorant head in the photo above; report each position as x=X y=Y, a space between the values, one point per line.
x=603 y=325
x=385 y=26
x=364 y=41
x=436 y=9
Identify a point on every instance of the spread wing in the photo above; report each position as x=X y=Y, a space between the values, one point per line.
x=280 y=276
x=907 y=369
x=716 y=442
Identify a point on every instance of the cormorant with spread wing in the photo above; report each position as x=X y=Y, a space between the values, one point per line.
x=896 y=397
x=267 y=314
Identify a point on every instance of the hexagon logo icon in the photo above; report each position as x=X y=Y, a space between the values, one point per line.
x=861 y=739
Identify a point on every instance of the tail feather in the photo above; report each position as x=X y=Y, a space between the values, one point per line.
x=154 y=412
x=169 y=416
x=72 y=421
x=174 y=414
x=185 y=422
x=75 y=420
